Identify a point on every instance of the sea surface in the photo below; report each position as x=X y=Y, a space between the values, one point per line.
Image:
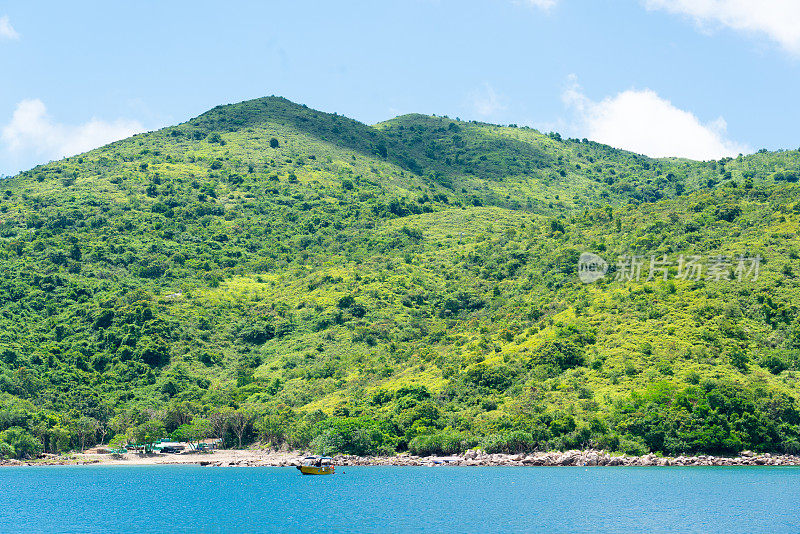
x=170 y=499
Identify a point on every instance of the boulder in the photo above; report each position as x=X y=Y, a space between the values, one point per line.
x=649 y=459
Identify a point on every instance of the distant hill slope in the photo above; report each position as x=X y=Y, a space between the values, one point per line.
x=274 y=273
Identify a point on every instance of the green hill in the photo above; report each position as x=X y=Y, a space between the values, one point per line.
x=277 y=274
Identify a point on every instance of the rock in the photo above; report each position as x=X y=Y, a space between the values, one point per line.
x=647 y=460
x=746 y=454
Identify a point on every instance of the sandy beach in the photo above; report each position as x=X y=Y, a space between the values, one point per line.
x=266 y=458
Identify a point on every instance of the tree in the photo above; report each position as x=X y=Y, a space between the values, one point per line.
x=102 y=430
x=198 y=430
x=6 y=450
x=201 y=428
x=273 y=143
x=219 y=424
x=118 y=442
x=19 y=443
x=60 y=439
x=148 y=433
x=178 y=414
x=154 y=352
x=85 y=427
x=273 y=428
x=239 y=421
x=42 y=427
x=121 y=423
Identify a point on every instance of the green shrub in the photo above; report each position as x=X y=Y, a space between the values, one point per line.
x=443 y=443
x=19 y=443
x=509 y=442
x=493 y=378
x=350 y=435
x=6 y=450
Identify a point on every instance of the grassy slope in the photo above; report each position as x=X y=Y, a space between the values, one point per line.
x=193 y=268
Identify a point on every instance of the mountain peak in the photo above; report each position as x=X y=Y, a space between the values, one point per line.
x=230 y=117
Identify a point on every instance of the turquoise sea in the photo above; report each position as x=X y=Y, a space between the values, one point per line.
x=168 y=499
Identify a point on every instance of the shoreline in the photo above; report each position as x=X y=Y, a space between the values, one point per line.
x=262 y=458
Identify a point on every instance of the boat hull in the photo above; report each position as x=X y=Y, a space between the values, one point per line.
x=314 y=470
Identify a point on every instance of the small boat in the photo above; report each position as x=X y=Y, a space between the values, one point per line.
x=317 y=465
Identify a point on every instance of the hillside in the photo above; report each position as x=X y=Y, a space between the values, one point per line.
x=283 y=275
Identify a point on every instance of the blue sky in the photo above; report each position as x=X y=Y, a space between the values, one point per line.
x=696 y=78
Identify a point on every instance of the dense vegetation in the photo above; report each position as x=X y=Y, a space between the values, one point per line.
x=270 y=273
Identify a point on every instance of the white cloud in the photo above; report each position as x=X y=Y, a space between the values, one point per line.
x=777 y=19
x=643 y=122
x=541 y=4
x=485 y=101
x=31 y=133
x=7 y=31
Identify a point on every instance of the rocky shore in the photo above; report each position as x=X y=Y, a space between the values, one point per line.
x=585 y=458
x=477 y=458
